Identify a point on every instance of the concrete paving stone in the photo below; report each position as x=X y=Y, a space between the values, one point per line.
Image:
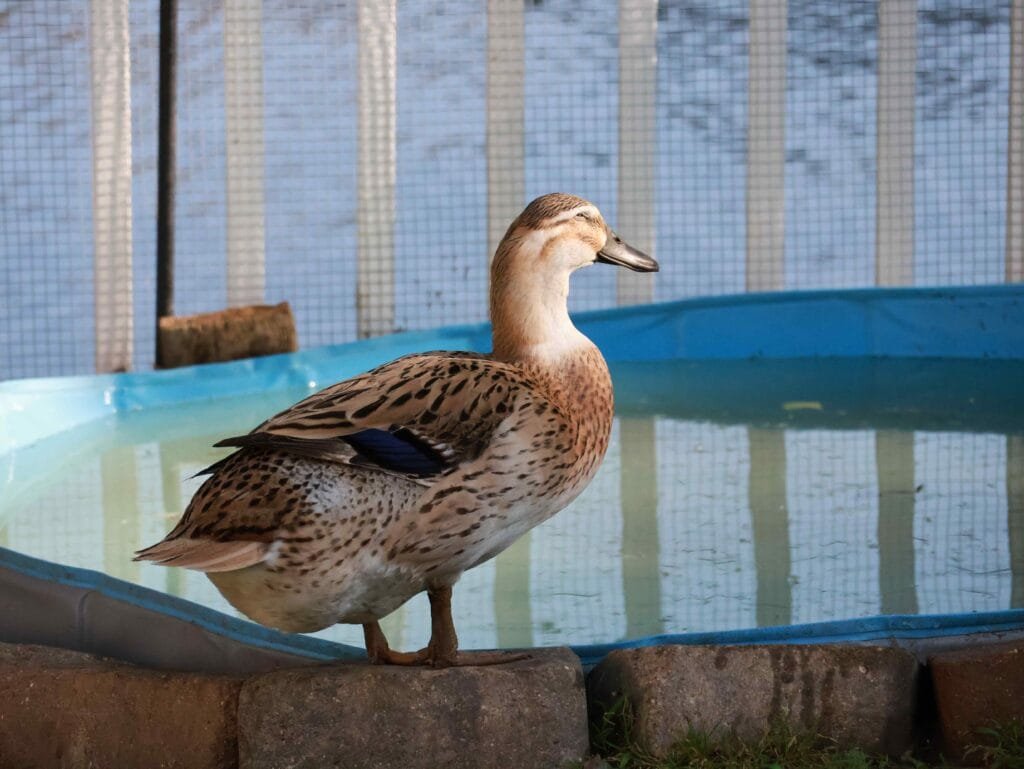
x=976 y=688
x=529 y=714
x=61 y=708
x=859 y=696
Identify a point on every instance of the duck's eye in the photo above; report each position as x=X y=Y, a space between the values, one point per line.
x=583 y=215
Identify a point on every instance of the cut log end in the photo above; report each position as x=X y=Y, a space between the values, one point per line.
x=238 y=332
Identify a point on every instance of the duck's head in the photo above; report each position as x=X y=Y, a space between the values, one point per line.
x=555 y=235
x=559 y=233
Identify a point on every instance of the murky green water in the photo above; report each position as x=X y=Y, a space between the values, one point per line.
x=733 y=495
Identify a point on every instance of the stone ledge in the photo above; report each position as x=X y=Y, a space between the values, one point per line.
x=527 y=714
x=61 y=708
x=976 y=688
x=859 y=696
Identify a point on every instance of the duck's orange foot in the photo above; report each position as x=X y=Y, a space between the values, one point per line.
x=473 y=659
x=461 y=659
x=379 y=653
x=391 y=657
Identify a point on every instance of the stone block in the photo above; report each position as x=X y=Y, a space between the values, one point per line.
x=529 y=714
x=976 y=688
x=859 y=696
x=61 y=708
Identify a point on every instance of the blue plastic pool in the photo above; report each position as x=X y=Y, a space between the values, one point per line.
x=784 y=467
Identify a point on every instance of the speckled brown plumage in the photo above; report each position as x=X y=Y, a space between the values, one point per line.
x=345 y=505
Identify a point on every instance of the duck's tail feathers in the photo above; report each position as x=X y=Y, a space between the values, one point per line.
x=205 y=554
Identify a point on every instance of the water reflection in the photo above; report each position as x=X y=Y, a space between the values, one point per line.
x=720 y=512
x=770 y=518
x=638 y=480
x=894 y=458
x=1015 y=515
x=119 y=502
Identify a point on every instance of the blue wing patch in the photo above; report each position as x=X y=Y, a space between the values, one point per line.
x=400 y=450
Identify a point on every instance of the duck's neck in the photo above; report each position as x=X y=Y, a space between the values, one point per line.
x=530 y=318
x=532 y=329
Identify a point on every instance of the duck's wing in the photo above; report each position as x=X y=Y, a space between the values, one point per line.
x=257 y=503
x=418 y=416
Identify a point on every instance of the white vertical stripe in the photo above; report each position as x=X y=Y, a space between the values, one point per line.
x=766 y=145
x=1015 y=153
x=243 y=116
x=638 y=56
x=506 y=180
x=897 y=63
x=377 y=33
x=110 y=55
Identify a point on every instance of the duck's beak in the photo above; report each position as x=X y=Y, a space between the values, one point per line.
x=617 y=251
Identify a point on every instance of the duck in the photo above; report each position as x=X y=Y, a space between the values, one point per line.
x=344 y=506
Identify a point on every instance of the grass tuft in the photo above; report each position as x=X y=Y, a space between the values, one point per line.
x=779 y=748
x=999 y=747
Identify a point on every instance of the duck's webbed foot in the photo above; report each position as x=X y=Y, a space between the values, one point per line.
x=379 y=653
x=468 y=659
x=442 y=651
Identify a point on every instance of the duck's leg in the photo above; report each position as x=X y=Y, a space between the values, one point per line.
x=442 y=651
x=379 y=653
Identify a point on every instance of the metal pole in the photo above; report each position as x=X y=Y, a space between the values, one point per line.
x=165 y=167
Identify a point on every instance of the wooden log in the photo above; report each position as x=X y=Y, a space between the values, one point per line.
x=238 y=332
